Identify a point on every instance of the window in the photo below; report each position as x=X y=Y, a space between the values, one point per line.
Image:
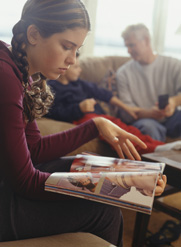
x=172 y=45
x=10 y=13
x=161 y=17
x=112 y=18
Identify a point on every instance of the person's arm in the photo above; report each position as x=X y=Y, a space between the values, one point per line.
x=130 y=110
x=51 y=147
x=153 y=112
x=67 y=113
x=105 y=95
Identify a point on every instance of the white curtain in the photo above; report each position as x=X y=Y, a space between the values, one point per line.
x=91 y=6
x=159 y=24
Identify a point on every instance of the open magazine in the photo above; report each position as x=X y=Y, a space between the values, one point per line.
x=119 y=182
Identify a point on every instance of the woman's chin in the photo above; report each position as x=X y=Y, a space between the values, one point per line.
x=52 y=76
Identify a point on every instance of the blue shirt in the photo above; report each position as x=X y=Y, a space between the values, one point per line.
x=67 y=99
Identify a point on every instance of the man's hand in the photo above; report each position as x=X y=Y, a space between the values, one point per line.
x=120 y=139
x=133 y=111
x=87 y=105
x=153 y=112
x=170 y=108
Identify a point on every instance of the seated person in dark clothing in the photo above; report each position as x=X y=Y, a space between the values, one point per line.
x=75 y=102
x=75 y=97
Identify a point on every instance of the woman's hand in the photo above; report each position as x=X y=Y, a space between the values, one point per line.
x=119 y=138
x=161 y=183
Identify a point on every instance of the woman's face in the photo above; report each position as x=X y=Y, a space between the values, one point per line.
x=84 y=180
x=51 y=56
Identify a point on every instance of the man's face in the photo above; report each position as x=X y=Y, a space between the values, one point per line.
x=137 y=48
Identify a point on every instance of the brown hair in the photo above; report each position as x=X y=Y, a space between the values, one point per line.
x=49 y=16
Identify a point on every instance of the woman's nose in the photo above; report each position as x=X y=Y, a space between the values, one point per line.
x=71 y=59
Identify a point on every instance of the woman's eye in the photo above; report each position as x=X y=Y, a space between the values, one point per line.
x=66 y=47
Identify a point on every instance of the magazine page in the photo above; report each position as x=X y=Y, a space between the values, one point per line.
x=122 y=189
x=92 y=163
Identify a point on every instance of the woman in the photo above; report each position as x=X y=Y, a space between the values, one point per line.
x=45 y=41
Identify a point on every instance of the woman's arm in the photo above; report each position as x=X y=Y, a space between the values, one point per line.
x=51 y=147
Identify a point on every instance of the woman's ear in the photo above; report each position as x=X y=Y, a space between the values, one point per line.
x=32 y=34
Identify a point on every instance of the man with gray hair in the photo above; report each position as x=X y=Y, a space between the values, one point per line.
x=143 y=79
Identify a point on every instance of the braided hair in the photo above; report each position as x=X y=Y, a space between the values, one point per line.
x=50 y=17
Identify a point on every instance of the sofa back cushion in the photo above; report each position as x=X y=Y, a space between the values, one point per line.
x=101 y=70
x=94 y=69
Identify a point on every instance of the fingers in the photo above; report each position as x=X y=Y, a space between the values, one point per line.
x=164 y=177
x=133 y=150
x=119 y=151
x=161 y=183
x=93 y=101
x=127 y=148
x=134 y=115
x=127 y=151
x=130 y=150
x=158 y=191
x=137 y=141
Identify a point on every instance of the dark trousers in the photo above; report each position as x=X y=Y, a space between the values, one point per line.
x=27 y=218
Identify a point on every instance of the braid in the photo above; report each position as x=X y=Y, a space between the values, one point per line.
x=37 y=97
x=18 y=50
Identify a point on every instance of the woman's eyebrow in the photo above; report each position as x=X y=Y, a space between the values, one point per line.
x=72 y=43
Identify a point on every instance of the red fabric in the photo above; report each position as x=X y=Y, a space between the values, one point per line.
x=151 y=143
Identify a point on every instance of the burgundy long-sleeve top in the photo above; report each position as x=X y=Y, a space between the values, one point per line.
x=21 y=145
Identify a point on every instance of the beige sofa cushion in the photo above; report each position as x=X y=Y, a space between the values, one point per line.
x=101 y=71
x=94 y=69
x=78 y=239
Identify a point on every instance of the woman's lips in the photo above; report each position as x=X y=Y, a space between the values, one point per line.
x=62 y=70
